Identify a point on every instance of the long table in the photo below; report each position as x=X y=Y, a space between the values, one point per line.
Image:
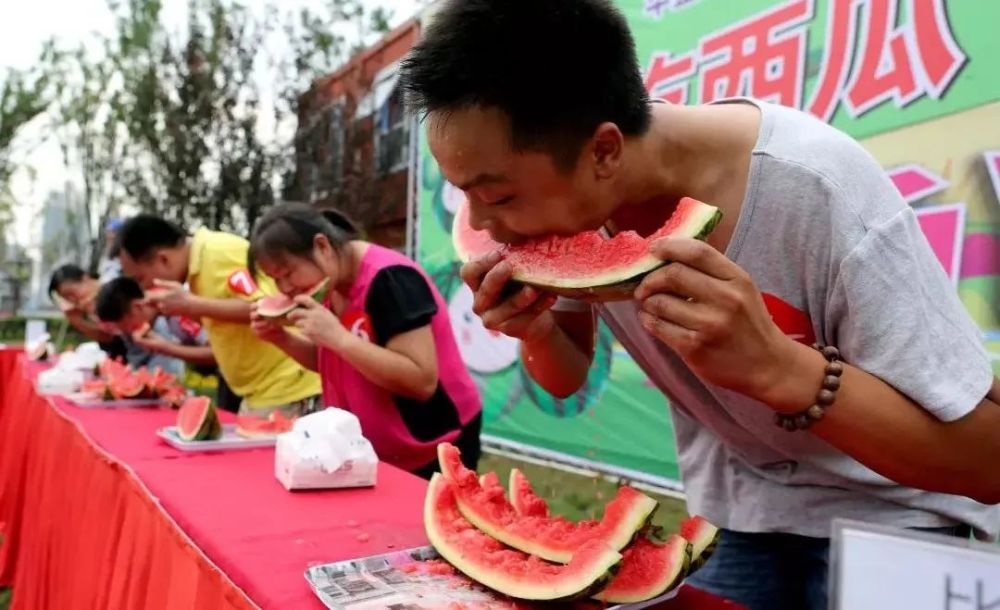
x=97 y=512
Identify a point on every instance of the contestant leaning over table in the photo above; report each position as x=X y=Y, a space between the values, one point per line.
x=157 y=253
x=75 y=292
x=382 y=340
x=171 y=341
x=537 y=110
x=120 y=305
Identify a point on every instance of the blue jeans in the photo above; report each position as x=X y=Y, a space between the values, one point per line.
x=774 y=571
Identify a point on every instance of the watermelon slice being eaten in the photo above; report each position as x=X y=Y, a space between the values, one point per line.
x=553 y=538
x=586 y=266
x=280 y=305
x=510 y=572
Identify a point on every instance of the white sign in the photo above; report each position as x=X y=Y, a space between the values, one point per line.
x=880 y=568
x=35 y=331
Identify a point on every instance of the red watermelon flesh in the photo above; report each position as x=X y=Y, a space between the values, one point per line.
x=523 y=497
x=648 y=570
x=280 y=305
x=251 y=426
x=553 y=538
x=125 y=387
x=502 y=569
x=95 y=387
x=588 y=265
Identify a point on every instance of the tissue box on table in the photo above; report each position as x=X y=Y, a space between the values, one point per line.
x=325 y=450
x=59 y=381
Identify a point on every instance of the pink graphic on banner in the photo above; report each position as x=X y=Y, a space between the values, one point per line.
x=914 y=182
x=993 y=166
x=944 y=225
x=981 y=255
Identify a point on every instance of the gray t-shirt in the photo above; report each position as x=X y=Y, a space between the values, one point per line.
x=823 y=232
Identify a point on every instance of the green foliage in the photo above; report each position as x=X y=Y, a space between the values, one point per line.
x=177 y=123
x=23 y=96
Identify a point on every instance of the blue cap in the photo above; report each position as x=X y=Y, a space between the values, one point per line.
x=114 y=224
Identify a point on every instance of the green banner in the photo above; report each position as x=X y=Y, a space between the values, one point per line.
x=914 y=80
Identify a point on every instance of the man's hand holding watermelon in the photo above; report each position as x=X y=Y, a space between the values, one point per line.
x=524 y=314
x=708 y=310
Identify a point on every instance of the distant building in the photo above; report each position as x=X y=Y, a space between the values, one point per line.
x=353 y=142
x=62 y=238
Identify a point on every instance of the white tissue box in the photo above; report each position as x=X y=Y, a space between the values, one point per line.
x=325 y=450
x=59 y=381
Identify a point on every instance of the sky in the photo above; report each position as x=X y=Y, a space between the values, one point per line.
x=26 y=24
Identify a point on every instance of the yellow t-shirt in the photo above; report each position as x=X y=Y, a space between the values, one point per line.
x=256 y=370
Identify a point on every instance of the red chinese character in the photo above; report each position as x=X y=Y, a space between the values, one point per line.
x=940 y=56
x=898 y=63
x=753 y=58
x=841 y=28
x=885 y=71
x=667 y=77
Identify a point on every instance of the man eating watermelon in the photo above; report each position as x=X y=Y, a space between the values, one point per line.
x=538 y=112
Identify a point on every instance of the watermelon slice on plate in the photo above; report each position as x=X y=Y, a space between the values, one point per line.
x=502 y=569
x=251 y=426
x=552 y=538
x=198 y=420
x=648 y=570
x=586 y=266
x=523 y=497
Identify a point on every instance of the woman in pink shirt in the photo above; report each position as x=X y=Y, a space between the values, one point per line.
x=381 y=340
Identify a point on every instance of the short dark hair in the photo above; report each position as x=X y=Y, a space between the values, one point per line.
x=143 y=235
x=115 y=297
x=63 y=274
x=556 y=68
x=290 y=227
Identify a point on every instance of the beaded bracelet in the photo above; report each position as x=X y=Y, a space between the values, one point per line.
x=824 y=398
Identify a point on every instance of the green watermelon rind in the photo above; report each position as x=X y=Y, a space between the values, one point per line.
x=595 y=566
x=637 y=516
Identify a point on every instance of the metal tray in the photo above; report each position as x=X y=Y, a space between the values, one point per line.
x=230 y=441
x=86 y=400
x=382 y=581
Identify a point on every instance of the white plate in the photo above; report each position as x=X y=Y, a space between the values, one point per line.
x=230 y=441
x=86 y=400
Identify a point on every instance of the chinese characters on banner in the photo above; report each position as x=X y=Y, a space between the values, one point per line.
x=763 y=56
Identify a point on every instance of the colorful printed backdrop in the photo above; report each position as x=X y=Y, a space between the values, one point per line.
x=913 y=80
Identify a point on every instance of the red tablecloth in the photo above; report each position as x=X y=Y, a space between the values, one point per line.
x=96 y=512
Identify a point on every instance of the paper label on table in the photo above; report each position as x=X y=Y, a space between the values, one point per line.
x=34 y=331
x=877 y=568
x=416 y=579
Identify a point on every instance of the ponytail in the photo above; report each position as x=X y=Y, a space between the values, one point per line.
x=340 y=221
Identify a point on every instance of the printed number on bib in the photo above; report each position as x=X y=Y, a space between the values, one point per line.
x=358 y=324
x=241 y=282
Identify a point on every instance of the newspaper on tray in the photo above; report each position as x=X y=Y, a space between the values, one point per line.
x=418 y=579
